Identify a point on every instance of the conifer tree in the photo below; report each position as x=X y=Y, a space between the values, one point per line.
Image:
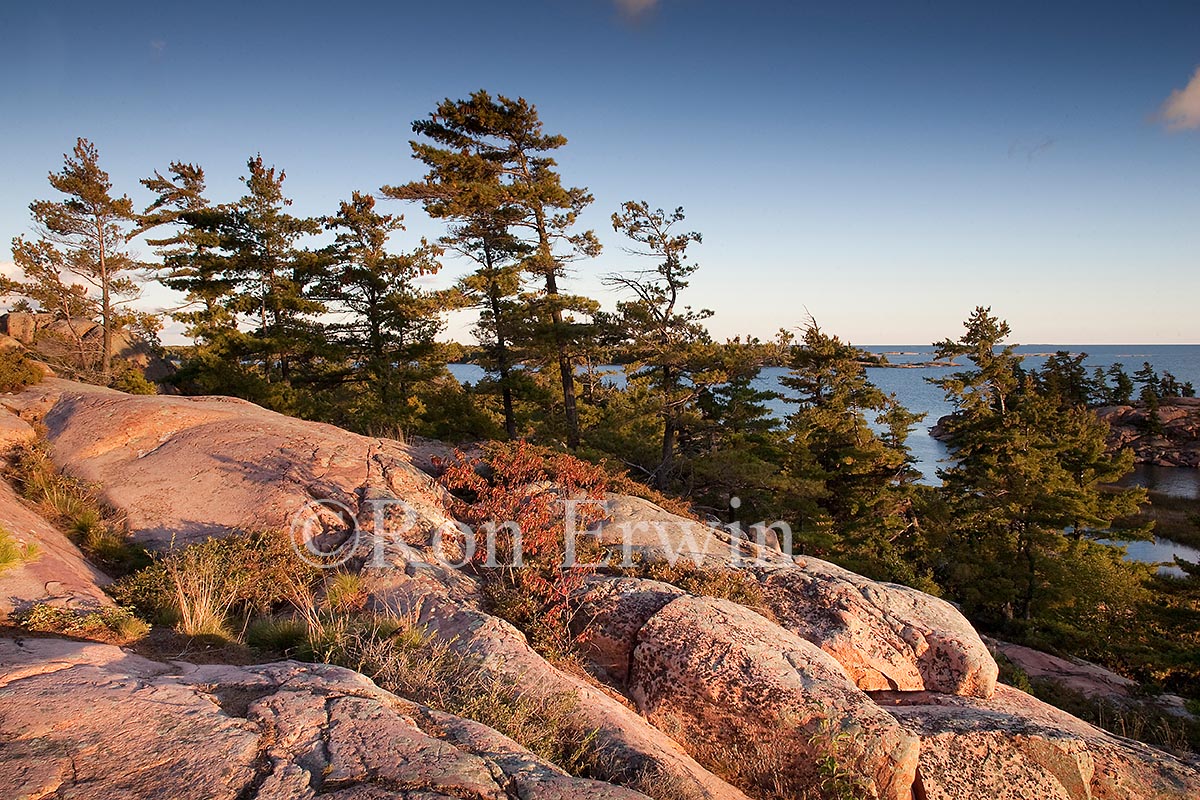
x=189 y=251
x=666 y=338
x=1122 y=388
x=385 y=323
x=508 y=134
x=466 y=185
x=856 y=481
x=1026 y=479
x=84 y=235
x=268 y=275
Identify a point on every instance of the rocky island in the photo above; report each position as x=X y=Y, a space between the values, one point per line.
x=1171 y=440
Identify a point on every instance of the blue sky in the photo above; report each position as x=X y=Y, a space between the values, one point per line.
x=886 y=166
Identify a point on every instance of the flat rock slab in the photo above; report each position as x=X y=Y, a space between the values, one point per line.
x=91 y=721
x=1015 y=747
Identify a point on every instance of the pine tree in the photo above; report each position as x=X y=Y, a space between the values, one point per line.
x=1065 y=376
x=1026 y=478
x=1122 y=390
x=1149 y=395
x=85 y=235
x=385 y=324
x=508 y=135
x=466 y=184
x=737 y=446
x=42 y=266
x=665 y=337
x=189 y=252
x=857 y=481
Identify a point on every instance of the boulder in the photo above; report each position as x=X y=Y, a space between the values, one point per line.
x=185 y=468
x=627 y=740
x=21 y=325
x=282 y=730
x=611 y=614
x=732 y=684
x=14 y=431
x=1178 y=445
x=886 y=636
x=1014 y=747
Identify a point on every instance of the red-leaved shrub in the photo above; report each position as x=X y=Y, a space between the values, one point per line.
x=528 y=486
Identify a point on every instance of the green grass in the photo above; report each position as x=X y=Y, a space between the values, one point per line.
x=111 y=625
x=13 y=552
x=100 y=532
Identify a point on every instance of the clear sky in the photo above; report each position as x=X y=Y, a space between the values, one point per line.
x=886 y=166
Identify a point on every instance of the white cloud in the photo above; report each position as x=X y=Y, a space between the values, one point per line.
x=1181 y=111
x=636 y=8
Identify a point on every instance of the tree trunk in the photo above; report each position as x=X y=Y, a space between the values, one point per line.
x=565 y=368
x=105 y=306
x=670 y=431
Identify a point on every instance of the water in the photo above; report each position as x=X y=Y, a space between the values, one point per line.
x=918 y=395
x=1160 y=551
x=911 y=387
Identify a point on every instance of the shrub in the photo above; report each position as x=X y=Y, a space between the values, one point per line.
x=203 y=587
x=132 y=381
x=13 y=552
x=344 y=592
x=1141 y=721
x=100 y=532
x=403 y=657
x=112 y=625
x=17 y=371
x=286 y=636
x=526 y=485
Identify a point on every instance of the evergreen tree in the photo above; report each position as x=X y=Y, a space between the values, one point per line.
x=493 y=289
x=85 y=235
x=1148 y=379
x=737 y=445
x=1122 y=389
x=1025 y=482
x=665 y=337
x=1149 y=395
x=857 y=481
x=386 y=324
x=1065 y=376
x=189 y=252
x=508 y=134
x=42 y=266
x=267 y=339
x=466 y=185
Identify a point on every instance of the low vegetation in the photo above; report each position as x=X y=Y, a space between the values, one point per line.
x=728 y=584
x=1136 y=718
x=775 y=769
x=111 y=625
x=99 y=531
x=526 y=485
x=13 y=551
x=17 y=371
x=216 y=586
